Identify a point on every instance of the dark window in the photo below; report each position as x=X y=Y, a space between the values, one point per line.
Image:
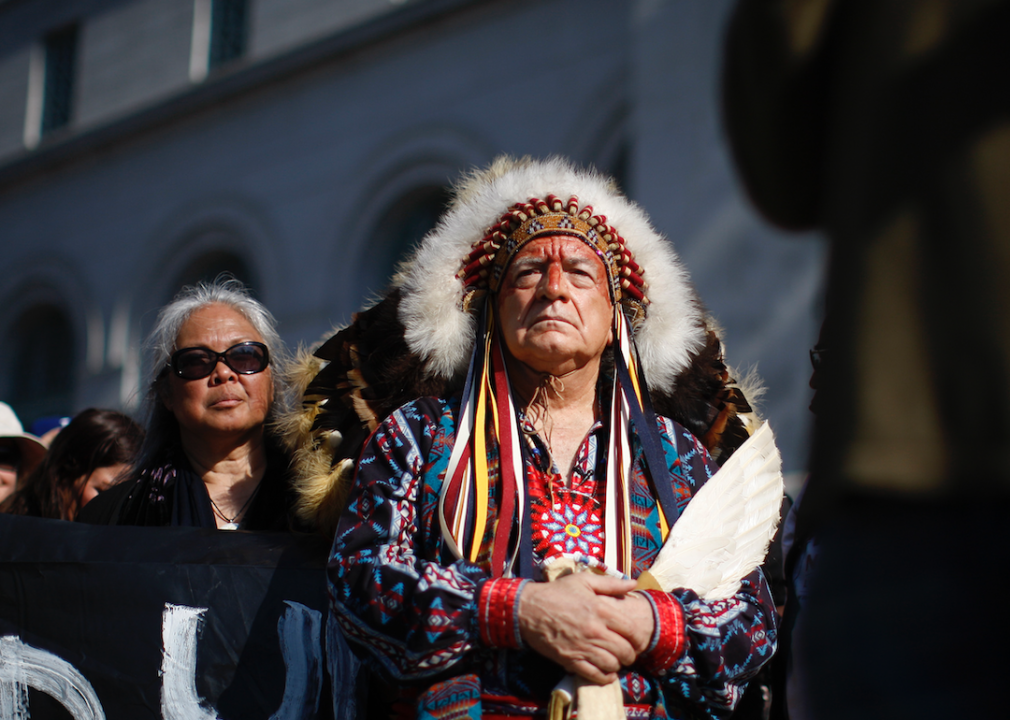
x=617 y=167
x=42 y=365
x=228 y=23
x=207 y=267
x=58 y=93
x=401 y=228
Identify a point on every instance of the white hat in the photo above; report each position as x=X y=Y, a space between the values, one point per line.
x=32 y=449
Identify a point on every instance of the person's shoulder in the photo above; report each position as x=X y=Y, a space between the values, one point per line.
x=690 y=450
x=674 y=429
x=431 y=408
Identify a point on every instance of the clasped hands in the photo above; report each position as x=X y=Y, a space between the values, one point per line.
x=591 y=625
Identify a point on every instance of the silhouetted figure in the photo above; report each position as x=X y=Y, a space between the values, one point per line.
x=886 y=124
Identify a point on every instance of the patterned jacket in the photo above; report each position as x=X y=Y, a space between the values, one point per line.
x=426 y=617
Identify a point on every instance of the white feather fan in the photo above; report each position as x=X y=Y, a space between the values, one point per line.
x=721 y=536
x=724 y=532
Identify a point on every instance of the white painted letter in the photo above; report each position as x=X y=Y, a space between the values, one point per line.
x=179 y=700
x=23 y=666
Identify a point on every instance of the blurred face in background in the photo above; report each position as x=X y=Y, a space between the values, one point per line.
x=98 y=481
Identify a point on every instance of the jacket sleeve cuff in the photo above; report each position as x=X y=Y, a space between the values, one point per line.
x=668 y=638
x=497 y=618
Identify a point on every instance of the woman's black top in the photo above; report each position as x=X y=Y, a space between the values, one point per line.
x=171 y=493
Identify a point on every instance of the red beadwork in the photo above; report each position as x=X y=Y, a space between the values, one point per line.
x=566 y=520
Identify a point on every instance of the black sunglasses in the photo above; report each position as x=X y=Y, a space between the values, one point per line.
x=196 y=363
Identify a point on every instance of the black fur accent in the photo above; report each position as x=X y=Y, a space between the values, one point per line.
x=706 y=401
x=370 y=366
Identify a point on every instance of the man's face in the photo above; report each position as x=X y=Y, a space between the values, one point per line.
x=554 y=305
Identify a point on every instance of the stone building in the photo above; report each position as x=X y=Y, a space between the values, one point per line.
x=304 y=144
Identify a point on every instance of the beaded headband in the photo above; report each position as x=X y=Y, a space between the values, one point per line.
x=484 y=267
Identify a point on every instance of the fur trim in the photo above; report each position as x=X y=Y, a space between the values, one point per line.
x=321 y=486
x=441 y=331
x=293 y=427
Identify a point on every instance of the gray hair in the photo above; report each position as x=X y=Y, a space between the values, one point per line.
x=223 y=290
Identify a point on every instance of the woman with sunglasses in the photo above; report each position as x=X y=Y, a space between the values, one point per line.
x=210 y=458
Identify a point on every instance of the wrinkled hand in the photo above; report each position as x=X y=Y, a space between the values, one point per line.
x=586 y=623
x=631 y=616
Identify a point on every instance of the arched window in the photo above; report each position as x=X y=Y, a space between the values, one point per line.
x=617 y=164
x=41 y=367
x=209 y=265
x=402 y=227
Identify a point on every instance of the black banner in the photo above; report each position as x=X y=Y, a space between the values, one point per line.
x=128 y=623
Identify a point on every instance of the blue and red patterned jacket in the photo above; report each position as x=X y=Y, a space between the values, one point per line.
x=425 y=616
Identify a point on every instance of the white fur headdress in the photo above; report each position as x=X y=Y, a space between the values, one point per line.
x=440 y=323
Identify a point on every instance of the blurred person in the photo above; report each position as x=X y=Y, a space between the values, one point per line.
x=790 y=700
x=85 y=458
x=20 y=452
x=886 y=125
x=210 y=458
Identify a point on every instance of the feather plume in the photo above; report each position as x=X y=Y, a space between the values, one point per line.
x=348 y=385
x=725 y=531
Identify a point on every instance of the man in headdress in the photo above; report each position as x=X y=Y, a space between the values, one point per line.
x=527 y=313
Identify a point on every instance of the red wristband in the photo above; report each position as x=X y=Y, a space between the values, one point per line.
x=496 y=613
x=668 y=640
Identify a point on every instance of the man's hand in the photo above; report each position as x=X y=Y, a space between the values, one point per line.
x=586 y=623
x=631 y=617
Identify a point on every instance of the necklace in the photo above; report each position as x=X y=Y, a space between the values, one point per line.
x=231 y=523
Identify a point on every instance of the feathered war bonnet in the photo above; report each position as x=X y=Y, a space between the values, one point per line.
x=455 y=264
x=429 y=336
